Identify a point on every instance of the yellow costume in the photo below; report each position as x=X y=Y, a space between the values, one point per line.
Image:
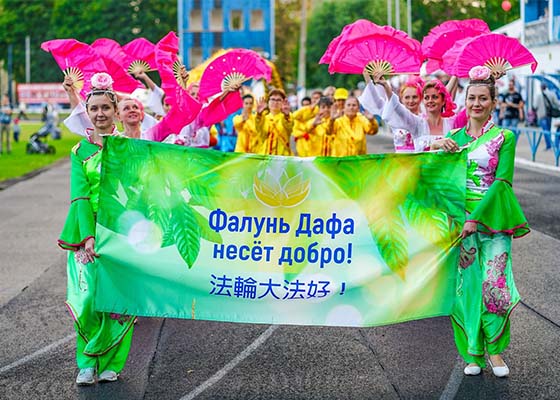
x=248 y=140
x=274 y=132
x=350 y=135
x=300 y=132
x=320 y=137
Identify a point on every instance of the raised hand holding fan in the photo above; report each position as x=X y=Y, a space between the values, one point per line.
x=76 y=59
x=498 y=52
x=142 y=51
x=375 y=54
x=443 y=36
x=230 y=70
x=376 y=50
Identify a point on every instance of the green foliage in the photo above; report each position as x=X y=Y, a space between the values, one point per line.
x=390 y=236
x=328 y=19
x=287 y=27
x=82 y=20
x=326 y=22
x=396 y=193
x=157 y=189
x=186 y=233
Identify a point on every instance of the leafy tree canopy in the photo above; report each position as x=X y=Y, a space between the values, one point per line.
x=329 y=17
x=85 y=21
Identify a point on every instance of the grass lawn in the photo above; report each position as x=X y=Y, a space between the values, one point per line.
x=19 y=163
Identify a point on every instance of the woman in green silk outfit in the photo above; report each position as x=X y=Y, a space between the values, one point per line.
x=486 y=292
x=103 y=339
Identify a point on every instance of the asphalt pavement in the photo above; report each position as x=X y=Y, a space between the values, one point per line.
x=184 y=359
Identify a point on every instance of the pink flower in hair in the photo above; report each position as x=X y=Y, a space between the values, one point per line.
x=101 y=80
x=479 y=73
x=448 y=105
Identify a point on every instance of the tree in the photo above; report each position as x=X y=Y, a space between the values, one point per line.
x=328 y=19
x=26 y=18
x=326 y=22
x=82 y=20
x=287 y=18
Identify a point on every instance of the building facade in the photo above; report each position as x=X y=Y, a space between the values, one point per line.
x=206 y=26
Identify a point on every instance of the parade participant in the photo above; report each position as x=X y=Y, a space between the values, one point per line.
x=340 y=96
x=131 y=113
x=274 y=124
x=351 y=129
x=301 y=118
x=486 y=292
x=306 y=101
x=133 y=118
x=320 y=129
x=103 y=339
x=244 y=124
x=329 y=92
x=438 y=119
x=410 y=94
x=156 y=98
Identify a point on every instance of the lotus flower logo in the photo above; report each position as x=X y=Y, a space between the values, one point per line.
x=281 y=191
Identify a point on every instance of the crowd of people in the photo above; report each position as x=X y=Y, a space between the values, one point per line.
x=422 y=115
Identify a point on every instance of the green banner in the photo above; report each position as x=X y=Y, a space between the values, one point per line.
x=355 y=241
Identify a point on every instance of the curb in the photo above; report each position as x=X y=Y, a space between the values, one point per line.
x=525 y=163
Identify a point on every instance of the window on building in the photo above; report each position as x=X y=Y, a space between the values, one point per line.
x=216 y=20
x=236 y=20
x=195 y=21
x=195 y=56
x=257 y=20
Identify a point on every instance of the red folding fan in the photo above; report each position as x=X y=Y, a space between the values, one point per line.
x=232 y=69
x=443 y=36
x=498 y=52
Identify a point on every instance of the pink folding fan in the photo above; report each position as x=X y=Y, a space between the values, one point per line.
x=231 y=70
x=498 y=52
x=443 y=36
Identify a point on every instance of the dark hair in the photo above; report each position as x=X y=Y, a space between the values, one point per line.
x=327 y=101
x=490 y=82
x=248 y=96
x=102 y=92
x=306 y=98
x=278 y=92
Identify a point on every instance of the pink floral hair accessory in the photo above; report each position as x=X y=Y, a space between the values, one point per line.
x=448 y=105
x=480 y=73
x=102 y=80
x=414 y=82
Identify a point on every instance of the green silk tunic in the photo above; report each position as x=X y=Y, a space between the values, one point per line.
x=486 y=291
x=101 y=331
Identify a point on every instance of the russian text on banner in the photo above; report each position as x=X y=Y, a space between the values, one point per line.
x=201 y=234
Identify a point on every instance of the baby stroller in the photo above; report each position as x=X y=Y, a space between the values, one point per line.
x=37 y=143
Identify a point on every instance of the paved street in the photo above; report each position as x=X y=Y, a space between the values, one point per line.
x=184 y=359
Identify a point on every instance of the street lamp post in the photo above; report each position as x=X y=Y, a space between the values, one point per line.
x=302 y=50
